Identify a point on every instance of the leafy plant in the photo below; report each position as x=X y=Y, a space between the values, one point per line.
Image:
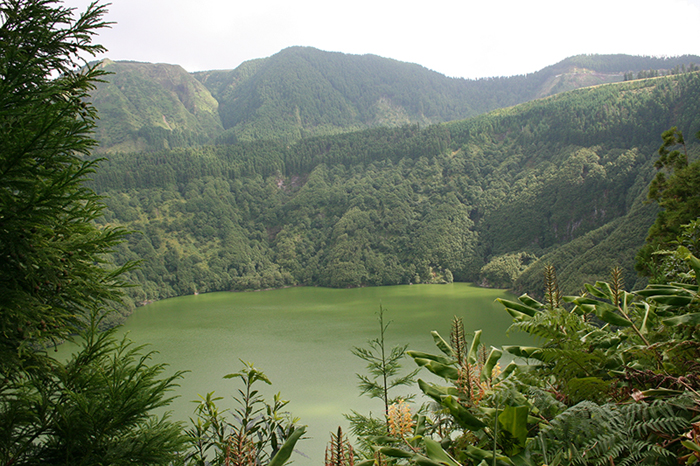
x=478 y=427
x=588 y=433
x=255 y=432
x=614 y=380
x=383 y=366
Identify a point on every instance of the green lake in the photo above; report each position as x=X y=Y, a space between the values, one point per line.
x=301 y=338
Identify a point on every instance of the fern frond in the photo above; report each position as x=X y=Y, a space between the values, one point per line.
x=568 y=364
x=543 y=325
x=617 y=434
x=556 y=326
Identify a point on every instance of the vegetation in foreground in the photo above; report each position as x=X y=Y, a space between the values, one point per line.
x=614 y=380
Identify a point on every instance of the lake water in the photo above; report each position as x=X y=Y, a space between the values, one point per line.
x=301 y=339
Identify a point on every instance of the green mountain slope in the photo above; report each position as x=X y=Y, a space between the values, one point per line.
x=147 y=106
x=302 y=92
x=552 y=178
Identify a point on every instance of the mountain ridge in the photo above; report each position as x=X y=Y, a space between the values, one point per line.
x=560 y=180
x=302 y=91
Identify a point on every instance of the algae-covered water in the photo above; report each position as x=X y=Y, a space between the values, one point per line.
x=301 y=338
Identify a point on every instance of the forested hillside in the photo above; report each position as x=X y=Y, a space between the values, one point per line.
x=302 y=92
x=559 y=180
x=142 y=106
x=544 y=181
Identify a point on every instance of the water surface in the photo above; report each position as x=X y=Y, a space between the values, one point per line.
x=301 y=338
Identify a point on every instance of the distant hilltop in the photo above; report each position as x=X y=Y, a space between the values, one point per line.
x=302 y=91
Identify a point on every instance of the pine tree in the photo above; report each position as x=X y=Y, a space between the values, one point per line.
x=54 y=279
x=53 y=272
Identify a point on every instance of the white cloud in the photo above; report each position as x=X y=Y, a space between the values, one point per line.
x=458 y=38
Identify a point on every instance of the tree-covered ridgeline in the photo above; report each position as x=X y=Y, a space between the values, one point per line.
x=302 y=92
x=407 y=204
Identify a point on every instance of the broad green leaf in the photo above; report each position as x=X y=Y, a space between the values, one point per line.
x=506 y=372
x=607 y=313
x=644 y=327
x=490 y=363
x=586 y=309
x=436 y=453
x=432 y=357
x=522 y=351
x=421 y=460
x=283 y=454
x=474 y=347
x=461 y=415
x=688 y=287
x=442 y=370
x=664 y=290
x=597 y=292
x=691 y=445
x=605 y=288
x=517 y=315
x=513 y=419
x=436 y=392
x=442 y=344
x=420 y=425
x=519 y=307
x=580 y=300
x=395 y=452
x=674 y=300
x=686 y=319
x=626 y=300
x=693 y=261
x=478 y=454
x=528 y=301
x=661 y=392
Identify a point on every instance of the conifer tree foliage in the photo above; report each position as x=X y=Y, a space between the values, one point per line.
x=52 y=253
x=384 y=376
x=54 y=278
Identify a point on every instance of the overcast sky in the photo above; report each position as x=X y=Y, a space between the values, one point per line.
x=460 y=38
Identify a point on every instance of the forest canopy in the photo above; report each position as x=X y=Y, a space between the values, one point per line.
x=549 y=180
x=615 y=378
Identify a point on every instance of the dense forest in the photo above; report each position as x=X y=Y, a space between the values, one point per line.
x=303 y=92
x=490 y=199
x=614 y=378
